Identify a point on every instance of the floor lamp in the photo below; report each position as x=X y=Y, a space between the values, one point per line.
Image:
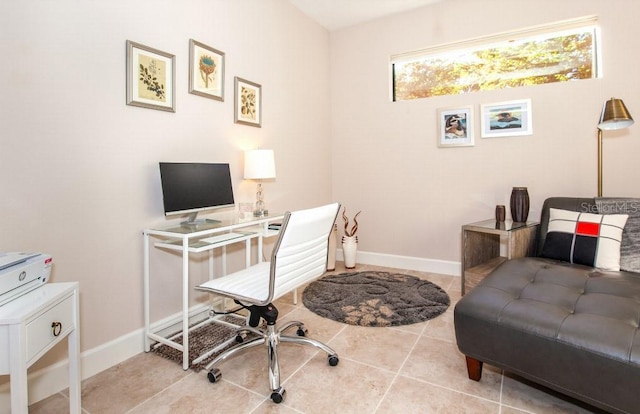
x=259 y=164
x=614 y=116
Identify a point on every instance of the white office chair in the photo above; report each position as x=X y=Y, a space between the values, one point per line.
x=299 y=256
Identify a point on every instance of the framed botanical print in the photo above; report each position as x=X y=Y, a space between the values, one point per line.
x=248 y=103
x=206 y=71
x=151 y=78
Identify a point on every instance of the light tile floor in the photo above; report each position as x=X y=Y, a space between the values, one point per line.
x=408 y=369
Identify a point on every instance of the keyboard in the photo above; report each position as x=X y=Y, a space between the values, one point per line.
x=222 y=237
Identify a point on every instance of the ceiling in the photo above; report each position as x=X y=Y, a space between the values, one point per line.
x=338 y=14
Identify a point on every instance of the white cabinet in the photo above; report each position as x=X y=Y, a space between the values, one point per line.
x=29 y=327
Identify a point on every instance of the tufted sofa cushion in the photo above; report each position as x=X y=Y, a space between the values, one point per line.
x=570 y=327
x=587 y=308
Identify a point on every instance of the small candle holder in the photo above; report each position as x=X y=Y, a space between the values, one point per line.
x=501 y=213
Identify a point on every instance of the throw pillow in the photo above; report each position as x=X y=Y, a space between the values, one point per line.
x=585 y=238
x=630 y=248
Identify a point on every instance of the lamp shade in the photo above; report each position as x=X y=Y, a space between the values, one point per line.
x=259 y=164
x=615 y=115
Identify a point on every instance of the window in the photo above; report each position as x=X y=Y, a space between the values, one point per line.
x=557 y=52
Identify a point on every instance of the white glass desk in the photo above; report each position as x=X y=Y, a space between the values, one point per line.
x=203 y=237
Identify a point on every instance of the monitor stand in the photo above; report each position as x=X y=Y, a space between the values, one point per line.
x=192 y=221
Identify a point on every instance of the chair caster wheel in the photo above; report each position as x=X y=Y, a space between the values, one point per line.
x=333 y=360
x=239 y=339
x=214 y=375
x=301 y=331
x=277 y=396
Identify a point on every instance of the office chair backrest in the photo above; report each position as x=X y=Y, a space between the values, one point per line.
x=300 y=254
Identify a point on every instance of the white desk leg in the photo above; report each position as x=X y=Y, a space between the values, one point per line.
x=147 y=324
x=18 y=367
x=260 y=249
x=185 y=303
x=224 y=260
x=75 y=406
x=211 y=263
x=247 y=253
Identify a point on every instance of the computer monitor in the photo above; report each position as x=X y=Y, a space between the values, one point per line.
x=188 y=188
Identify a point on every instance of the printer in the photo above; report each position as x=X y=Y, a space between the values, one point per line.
x=21 y=273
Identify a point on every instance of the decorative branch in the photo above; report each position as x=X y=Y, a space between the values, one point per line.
x=354 y=229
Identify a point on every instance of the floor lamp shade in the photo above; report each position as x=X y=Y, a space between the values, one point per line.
x=614 y=116
x=259 y=164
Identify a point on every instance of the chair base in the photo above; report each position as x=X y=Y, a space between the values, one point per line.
x=270 y=337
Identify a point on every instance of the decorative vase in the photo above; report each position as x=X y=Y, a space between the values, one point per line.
x=349 y=251
x=519 y=204
x=333 y=241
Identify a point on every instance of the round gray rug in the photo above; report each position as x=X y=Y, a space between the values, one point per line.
x=375 y=298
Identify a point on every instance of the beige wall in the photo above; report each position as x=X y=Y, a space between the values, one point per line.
x=79 y=168
x=415 y=196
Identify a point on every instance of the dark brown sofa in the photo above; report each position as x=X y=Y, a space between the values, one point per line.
x=568 y=327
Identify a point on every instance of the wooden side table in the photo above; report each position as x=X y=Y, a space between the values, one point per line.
x=481 y=247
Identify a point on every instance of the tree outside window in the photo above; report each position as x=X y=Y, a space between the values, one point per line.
x=549 y=57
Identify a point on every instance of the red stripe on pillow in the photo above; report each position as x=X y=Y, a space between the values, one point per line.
x=588 y=229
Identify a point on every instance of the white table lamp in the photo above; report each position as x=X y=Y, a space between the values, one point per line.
x=259 y=164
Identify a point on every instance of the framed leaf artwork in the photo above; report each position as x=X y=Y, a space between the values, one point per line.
x=151 y=78
x=248 y=103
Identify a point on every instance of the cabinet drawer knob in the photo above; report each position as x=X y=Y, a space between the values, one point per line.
x=56 y=328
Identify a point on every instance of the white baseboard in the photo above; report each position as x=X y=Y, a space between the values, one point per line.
x=406 y=262
x=54 y=378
